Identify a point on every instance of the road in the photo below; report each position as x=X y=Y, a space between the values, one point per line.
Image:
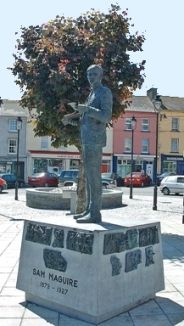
x=145 y=191
x=139 y=191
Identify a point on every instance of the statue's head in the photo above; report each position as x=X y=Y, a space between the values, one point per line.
x=94 y=74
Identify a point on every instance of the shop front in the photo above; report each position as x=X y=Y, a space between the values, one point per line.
x=122 y=164
x=7 y=166
x=55 y=162
x=172 y=163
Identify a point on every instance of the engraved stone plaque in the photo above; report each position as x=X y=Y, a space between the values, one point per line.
x=79 y=241
x=58 y=238
x=132 y=239
x=149 y=253
x=116 y=265
x=132 y=259
x=39 y=233
x=118 y=242
x=54 y=260
x=148 y=236
x=114 y=243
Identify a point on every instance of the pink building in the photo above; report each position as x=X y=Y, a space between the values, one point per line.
x=144 y=140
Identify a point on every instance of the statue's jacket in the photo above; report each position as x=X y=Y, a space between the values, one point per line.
x=94 y=121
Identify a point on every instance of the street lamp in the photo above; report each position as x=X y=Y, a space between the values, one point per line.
x=157 y=103
x=19 y=127
x=133 y=124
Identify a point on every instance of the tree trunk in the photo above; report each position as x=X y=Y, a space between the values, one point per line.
x=81 y=189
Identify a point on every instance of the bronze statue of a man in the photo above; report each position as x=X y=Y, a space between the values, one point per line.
x=94 y=116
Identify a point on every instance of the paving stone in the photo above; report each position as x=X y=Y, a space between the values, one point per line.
x=40 y=322
x=176 y=319
x=166 y=309
x=33 y=311
x=11 y=312
x=10 y=322
x=12 y=291
x=148 y=320
x=150 y=307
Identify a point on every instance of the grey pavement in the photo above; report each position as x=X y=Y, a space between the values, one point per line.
x=167 y=308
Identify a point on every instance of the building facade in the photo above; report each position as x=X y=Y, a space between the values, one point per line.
x=37 y=154
x=42 y=156
x=9 y=112
x=171 y=135
x=144 y=138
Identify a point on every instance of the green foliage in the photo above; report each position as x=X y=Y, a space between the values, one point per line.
x=51 y=62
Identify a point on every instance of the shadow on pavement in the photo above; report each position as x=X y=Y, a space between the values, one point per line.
x=167 y=311
x=173 y=246
x=174 y=311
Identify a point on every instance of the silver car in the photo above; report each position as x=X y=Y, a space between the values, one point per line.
x=172 y=184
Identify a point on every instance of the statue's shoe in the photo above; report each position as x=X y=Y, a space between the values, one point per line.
x=89 y=219
x=81 y=215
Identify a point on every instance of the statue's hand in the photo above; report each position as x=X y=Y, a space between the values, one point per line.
x=82 y=108
x=71 y=119
x=65 y=121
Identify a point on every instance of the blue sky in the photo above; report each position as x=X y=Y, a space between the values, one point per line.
x=161 y=22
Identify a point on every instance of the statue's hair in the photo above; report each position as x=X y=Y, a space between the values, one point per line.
x=96 y=67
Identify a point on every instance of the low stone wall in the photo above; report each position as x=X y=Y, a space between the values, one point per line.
x=55 y=198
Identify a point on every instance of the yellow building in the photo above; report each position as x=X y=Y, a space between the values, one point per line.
x=171 y=135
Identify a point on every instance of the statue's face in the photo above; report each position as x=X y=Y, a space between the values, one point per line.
x=94 y=76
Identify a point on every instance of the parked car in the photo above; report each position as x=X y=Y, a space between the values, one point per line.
x=11 y=180
x=160 y=177
x=120 y=181
x=43 y=179
x=172 y=184
x=70 y=183
x=106 y=183
x=68 y=175
x=139 y=179
x=3 y=185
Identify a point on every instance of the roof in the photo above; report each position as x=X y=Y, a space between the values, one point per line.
x=143 y=103
x=173 y=103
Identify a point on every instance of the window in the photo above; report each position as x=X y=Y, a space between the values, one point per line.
x=180 y=179
x=12 y=146
x=127 y=145
x=145 y=125
x=175 y=145
x=44 y=142
x=145 y=146
x=175 y=124
x=169 y=166
x=128 y=124
x=12 y=125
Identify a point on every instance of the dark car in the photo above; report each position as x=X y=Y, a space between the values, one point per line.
x=68 y=175
x=160 y=177
x=139 y=179
x=10 y=179
x=43 y=179
x=120 y=181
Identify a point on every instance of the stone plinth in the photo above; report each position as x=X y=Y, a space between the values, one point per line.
x=92 y=272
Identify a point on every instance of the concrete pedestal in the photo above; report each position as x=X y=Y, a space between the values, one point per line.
x=92 y=272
